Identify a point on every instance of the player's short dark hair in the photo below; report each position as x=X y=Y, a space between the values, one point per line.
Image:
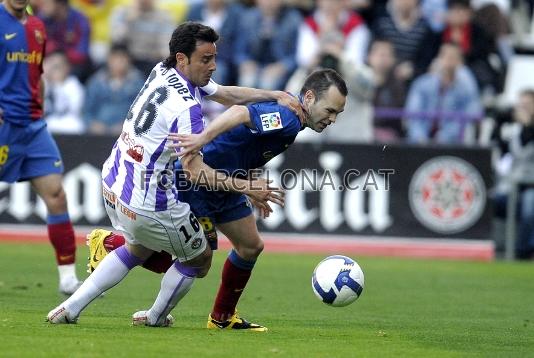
x=466 y=4
x=184 y=40
x=319 y=81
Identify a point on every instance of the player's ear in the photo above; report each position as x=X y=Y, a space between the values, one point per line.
x=181 y=59
x=309 y=96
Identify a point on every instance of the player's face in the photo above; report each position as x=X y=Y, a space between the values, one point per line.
x=16 y=5
x=199 y=68
x=324 y=111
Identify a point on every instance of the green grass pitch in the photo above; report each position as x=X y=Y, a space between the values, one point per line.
x=408 y=308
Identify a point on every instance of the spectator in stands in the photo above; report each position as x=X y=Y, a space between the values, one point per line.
x=221 y=16
x=442 y=100
x=332 y=26
x=64 y=96
x=435 y=13
x=478 y=47
x=495 y=25
x=369 y=10
x=98 y=13
x=389 y=93
x=504 y=6
x=67 y=30
x=145 y=30
x=354 y=124
x=265 y=45
x=177 y=9
x=110 y=92
x=415 y=43
x=370 y=84
x=336 y=37
x=516 y=166
x=305 y=7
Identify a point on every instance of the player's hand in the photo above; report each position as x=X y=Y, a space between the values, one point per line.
x=287 y=100
x=187 y=143
x=264 y=212
x=262 y=192
x=184 y=159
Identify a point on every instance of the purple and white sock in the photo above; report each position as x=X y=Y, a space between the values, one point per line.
x=175 y=284
x=113 y=268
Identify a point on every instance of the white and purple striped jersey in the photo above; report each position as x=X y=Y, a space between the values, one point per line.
x=139 y=169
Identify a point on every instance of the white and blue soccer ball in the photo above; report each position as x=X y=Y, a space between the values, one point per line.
x=338 y=280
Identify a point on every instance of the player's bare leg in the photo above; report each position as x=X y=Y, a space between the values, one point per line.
x=60 y=231
x=248 y=245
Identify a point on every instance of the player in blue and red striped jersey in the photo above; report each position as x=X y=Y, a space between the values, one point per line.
x=27 y=150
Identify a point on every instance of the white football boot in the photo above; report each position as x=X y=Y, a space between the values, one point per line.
x=60 y=315
x=140 y=318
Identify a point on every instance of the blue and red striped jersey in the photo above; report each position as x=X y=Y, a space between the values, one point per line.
x=22 y=48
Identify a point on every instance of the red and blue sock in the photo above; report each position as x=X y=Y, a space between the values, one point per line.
x=235 y=275
x=61 y=235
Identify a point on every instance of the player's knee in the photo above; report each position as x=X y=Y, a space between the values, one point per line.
x=258 y=249
x=203 y=271
x=56 y=200
x=203 y=263
x=205 y=268
x=251 y=251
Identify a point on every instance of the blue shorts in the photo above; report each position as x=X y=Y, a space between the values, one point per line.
x=27 y=152
x=221 y=207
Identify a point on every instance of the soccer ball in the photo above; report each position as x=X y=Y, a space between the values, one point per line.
x=337 y=281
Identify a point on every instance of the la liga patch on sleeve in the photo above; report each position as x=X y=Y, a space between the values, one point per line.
x=271 y=121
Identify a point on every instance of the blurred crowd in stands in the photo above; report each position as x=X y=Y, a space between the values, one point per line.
x=418 y=71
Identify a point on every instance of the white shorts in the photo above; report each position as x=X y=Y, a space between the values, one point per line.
x=176 y=230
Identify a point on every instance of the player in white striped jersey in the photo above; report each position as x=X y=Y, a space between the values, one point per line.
x=167 y=103
x=138 y=186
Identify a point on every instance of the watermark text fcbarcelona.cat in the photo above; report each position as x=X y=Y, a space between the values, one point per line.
x=288 y=179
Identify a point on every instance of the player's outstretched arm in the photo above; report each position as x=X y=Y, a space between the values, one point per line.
x=230 y=95
x=259 y=189
x=192 y=143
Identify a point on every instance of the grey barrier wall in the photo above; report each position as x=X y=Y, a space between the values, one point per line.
x=393 y=190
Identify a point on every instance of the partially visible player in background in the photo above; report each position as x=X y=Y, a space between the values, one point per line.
x=27 y=150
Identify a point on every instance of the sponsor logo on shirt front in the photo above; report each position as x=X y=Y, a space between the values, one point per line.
x=271 y=121
x=21 y=56
x=135 y=151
